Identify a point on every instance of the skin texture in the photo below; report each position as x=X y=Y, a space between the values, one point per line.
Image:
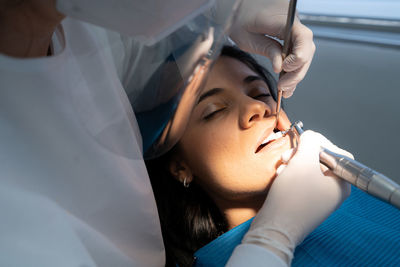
x=218 y=149
x=26 y=27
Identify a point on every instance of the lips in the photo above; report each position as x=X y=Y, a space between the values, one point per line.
x=269 y=139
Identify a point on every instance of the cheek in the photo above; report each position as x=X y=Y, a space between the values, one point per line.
x=221 y=162
x=212 y=151
x=205 y=149
x=223 y=168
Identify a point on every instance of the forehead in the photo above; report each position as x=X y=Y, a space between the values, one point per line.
x=229 y=66
x=228 y=70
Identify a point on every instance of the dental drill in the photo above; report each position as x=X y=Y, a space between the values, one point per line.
x=359 y=175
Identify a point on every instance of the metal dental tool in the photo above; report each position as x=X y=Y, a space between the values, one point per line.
x=359 y=175
x=286 y=49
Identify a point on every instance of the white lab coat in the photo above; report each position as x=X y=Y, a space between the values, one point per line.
x=74 y=190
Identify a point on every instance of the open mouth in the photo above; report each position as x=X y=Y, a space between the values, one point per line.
x=272 y=137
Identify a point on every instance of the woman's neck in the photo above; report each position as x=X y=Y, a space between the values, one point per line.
x=237 y=212
x=26 y=29
x=238 y=216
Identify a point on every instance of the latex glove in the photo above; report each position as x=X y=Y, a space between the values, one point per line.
x=258 y=18
x=299 y=200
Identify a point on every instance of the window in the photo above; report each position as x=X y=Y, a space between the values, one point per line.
x=373 y=9
x=374 y=22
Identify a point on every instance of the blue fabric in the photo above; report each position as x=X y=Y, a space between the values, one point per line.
x=364 y=231
x=152 y=123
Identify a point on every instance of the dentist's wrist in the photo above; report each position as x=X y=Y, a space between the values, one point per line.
x=273 y=239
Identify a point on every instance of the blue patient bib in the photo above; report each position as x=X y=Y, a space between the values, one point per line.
x=364 y=231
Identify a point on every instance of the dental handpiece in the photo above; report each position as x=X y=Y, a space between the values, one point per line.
x=359 y=175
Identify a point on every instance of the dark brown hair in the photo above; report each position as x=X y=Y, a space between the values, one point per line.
x=189 y=217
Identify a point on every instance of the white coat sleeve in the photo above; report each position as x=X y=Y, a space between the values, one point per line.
x=253 y=256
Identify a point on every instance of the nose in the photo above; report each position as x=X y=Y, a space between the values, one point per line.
x=252 y=111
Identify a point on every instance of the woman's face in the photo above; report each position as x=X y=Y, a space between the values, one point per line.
x=222 y=143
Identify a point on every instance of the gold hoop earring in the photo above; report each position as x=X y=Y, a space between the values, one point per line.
x=185 y=183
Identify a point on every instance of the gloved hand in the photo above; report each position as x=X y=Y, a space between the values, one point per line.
x=300 y=199
x=258 y=18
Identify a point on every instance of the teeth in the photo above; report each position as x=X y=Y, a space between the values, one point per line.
x=272 y=136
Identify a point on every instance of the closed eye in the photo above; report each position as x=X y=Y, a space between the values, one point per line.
x=262 y=96
x=212 y=114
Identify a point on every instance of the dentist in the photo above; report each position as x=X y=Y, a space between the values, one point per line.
x=74 y=190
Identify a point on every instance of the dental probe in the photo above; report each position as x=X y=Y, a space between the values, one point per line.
x=286 y=49
x=359 y=175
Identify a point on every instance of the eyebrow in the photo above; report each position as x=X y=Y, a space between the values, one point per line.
x=252 y=78
x=210 y=93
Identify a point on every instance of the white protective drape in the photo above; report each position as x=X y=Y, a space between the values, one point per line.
x=74 y=190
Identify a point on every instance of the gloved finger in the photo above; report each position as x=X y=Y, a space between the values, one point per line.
x=288 y=93
x=326 y=143
x=311 y=139
x=326 y=171
x=343 y=152
x=287 y=155
x=344 y=185
x=280 y=169
x=265 y=46
x=303 y=48
x=289 y=80
x=277 y=62
x=309 y=147
x=339 y=151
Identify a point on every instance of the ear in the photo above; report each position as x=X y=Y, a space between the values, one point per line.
x=180 y=170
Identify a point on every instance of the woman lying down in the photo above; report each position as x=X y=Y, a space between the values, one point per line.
x=224 y=171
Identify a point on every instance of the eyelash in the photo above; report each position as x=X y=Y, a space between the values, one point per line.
x=261 y=95
x=209 y=116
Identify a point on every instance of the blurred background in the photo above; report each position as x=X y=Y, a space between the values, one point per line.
x=351 y=93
